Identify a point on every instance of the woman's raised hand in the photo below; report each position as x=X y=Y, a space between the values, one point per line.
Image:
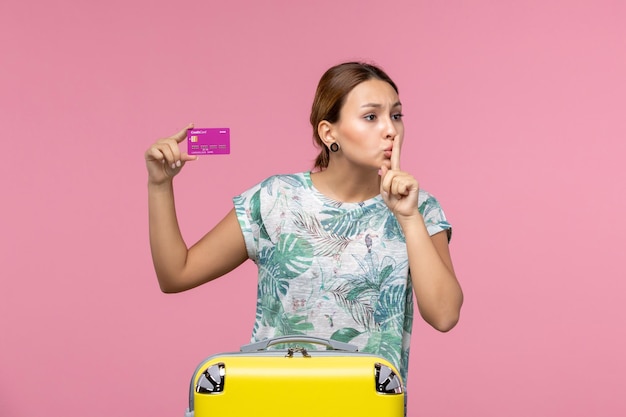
x=164 y=158
x=399 y=189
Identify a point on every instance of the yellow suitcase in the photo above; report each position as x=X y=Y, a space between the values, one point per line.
x=296 y=381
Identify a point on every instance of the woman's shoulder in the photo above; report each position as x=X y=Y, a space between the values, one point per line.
x=283 y=183
x=429 y=206
x=426 y=198
x=299 y=180
x=292 y=178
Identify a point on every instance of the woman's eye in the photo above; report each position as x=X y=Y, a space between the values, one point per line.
x=397 y=116
x=370 y=117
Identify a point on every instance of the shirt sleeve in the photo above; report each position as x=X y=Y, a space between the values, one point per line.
x=434 y=216
x=247 y=208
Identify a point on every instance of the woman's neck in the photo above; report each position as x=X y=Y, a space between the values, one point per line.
x=348 y=186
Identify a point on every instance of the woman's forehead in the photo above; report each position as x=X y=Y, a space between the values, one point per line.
x=373 y=93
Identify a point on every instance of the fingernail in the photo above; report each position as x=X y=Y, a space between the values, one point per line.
x=178 y=164
x=173 y=166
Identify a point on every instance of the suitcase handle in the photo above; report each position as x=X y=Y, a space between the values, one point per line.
x=329 y=343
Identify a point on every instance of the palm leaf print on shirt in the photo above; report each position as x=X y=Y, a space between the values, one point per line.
x=273 y=314
x=360 y=294
x=351 y=223
x=324 y=243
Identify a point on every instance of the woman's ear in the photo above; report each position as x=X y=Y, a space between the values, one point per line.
x=325 y=132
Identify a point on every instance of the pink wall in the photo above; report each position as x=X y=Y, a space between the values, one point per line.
x=515 y=120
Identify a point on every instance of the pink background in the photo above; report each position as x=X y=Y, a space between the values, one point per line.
x=515 y=119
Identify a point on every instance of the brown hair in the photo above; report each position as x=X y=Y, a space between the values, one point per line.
x=334 y=86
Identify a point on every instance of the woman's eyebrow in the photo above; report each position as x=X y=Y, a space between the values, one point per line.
x=378 y=105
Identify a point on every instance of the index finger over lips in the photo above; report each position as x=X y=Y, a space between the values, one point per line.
x=395 y=153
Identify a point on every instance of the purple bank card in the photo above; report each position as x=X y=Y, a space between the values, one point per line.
x=208 y=141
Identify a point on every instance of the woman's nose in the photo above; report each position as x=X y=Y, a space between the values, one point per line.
x=390 y=129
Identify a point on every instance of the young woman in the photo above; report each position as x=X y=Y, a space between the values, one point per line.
x=340 y=249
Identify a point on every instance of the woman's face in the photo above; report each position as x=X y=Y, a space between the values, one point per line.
x=370 y=124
